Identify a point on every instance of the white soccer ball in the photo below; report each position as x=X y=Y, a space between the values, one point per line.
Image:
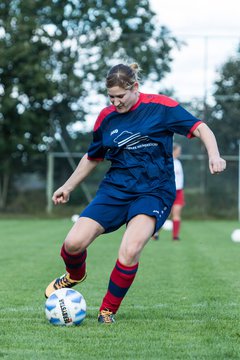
x=75 y=218
x=168 y=225
x=235 y=236
x=65 y=307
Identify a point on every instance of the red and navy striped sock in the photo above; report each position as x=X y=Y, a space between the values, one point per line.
x=75 y=264
x=120 y=281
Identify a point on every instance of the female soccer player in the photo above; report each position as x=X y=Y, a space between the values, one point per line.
x=135 y=134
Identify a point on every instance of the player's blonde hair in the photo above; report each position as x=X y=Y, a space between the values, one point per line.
x=124 y=76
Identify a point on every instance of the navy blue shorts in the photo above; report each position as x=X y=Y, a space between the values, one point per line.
x=112 y=213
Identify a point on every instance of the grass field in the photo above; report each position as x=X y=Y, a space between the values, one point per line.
x=184 y=303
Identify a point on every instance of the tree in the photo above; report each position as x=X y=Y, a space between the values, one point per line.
x=54 y=51
x=226 y=112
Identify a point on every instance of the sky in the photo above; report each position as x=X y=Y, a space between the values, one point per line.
x=211 y=29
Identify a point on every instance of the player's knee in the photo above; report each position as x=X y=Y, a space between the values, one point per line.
x=129 y=256
x=73 y=246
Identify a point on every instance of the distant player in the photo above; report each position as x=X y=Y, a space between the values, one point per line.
x=135 y=134
x=179 y=201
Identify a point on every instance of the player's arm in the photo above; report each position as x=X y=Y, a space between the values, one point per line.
x=205 y=134
x=83 y=169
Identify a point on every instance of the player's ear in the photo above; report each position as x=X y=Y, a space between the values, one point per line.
x=135 y=86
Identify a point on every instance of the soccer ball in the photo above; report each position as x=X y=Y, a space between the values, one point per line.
x=75 y=218
x=168 y=225
x=65 y=307
x=236 y=235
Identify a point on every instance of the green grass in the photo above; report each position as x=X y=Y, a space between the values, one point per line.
x=184 y=303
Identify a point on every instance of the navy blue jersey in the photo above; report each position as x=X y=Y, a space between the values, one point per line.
x=139 y=145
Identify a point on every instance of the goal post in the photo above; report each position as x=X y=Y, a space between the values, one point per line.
x=238 y=180
x=50 y=176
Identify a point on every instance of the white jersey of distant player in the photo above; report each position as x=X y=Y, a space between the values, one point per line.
x=179 y=177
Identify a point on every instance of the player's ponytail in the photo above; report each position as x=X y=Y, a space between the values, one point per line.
x=136 y=69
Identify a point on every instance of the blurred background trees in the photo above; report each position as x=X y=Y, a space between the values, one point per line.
x=225 y=114
x=55 y=56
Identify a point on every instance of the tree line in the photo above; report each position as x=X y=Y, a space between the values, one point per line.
x=56 y=54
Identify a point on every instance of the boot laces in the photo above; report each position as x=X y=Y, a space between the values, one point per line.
x=63 y=282
x=107 y=316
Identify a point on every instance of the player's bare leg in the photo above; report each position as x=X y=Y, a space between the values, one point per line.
x=82 y=234
x=138 y=232
x=74 y=254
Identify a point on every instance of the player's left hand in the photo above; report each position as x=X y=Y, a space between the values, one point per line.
x=216 y=165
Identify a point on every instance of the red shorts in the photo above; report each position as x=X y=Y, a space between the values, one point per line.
x=179 y=200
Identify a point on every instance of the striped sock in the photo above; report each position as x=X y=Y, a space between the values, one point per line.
x=120 y=281
x=75 y=264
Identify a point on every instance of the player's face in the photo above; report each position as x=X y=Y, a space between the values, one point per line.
x=123 y=99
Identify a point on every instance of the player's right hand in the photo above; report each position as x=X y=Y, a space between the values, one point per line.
x=60 y=196
x=216 y=164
